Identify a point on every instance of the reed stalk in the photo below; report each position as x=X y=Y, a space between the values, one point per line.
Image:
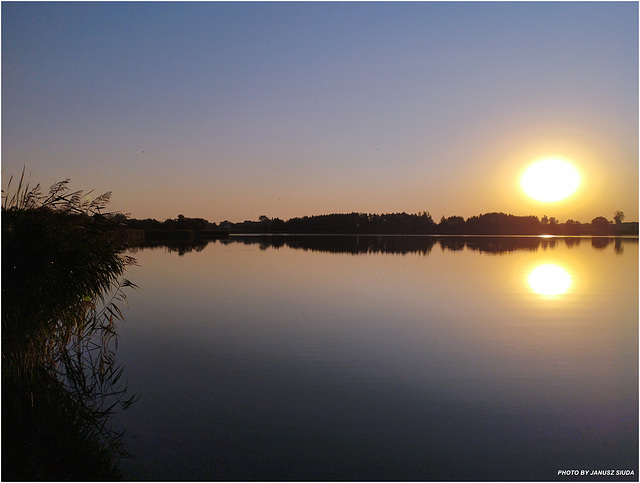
x=63 y=263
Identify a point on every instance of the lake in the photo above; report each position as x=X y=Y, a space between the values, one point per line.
x=382 y=358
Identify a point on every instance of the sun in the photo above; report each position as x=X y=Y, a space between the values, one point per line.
x=550 y=179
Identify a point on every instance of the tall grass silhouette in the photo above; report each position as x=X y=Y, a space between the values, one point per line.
x=63 y=261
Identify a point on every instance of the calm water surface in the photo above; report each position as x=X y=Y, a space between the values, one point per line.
x=382 y=358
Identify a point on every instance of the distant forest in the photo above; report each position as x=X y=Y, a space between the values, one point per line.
x=400 y=224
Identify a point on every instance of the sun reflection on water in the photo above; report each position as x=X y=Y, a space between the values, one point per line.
x=549 y=279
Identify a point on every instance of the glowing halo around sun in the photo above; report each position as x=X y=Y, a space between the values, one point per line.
x=550 y=179
x=549 y=279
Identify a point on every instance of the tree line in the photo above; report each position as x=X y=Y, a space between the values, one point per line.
x=180 y=223
x=402 y=224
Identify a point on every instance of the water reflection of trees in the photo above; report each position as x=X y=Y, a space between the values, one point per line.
x=572 y=242
x=179 y=247
x=394 y=244
x=398 y=244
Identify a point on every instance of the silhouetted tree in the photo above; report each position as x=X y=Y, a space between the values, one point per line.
x=451 y=225
x=501 y=224
x=600 y=225
x=572 y=227
x=184 y=223
x=618 y=216
x=277 y=225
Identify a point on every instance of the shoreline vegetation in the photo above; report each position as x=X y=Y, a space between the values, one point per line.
x=63 y=261
x=189 y=229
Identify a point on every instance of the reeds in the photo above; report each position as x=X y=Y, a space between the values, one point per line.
x=59 y=198
x=62 y=271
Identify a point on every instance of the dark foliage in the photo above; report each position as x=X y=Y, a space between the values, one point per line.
x=62 y=267
x=600 y=225
x=423 y=224
x=180 y=223
x=390 y=224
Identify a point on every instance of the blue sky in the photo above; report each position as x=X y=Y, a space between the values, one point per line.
x=233 y=110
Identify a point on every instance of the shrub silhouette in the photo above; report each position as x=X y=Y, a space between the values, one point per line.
x=62 y=266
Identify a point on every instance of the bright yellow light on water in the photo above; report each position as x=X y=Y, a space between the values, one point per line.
x=550 y=179
x=549 y=279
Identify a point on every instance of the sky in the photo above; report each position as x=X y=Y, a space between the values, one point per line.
x=232 y=110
